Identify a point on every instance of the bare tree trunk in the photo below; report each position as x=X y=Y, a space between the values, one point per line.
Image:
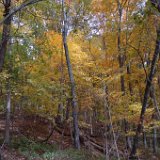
x=91 y=123
x=106 y=127
x=72 y=82
x=121 y=56
x=146 y=94
x=8 y=118
x=154 y=140
x=85 y=116
x=59 y=117
x=109 y=116
x=68 y=109
x=158 y=81
x=128 y=144
x=155 y=103
x=106 y=150
x=3 y=50
x=126 y=47
x=5 y=32
x=144 y=139
x=140 y=94
x=129 y=83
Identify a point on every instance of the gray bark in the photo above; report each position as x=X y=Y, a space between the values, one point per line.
x=5 y=33
x=72 y=82
x=106 y=127
x=109 y=117
x=155 y=103
x=121 y=56
x=68 y=109
x=144 y=139
x=129 y=83
x=91 y=123
x=154 y=140
x=146 y=94
x=8 y=116
x=127 y=138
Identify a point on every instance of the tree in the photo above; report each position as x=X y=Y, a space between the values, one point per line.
x=72 y=81
x=6 y=32
x=147 y=89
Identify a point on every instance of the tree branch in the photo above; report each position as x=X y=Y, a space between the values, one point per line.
x=19 y=8
x=156 y=4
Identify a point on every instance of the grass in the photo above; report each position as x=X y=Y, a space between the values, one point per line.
x=42 y=151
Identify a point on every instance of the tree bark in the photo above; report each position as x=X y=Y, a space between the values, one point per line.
x=8 y=117
x=68 y=109
x=121 y=57
x=109 y=117
x=129 y=83
x=72 y=82
x=146 y=94
x=126 y=128
x=106 y=127
x=154 y=140
x=155 y=103
x=59 y=117
x=144 y=139
x=5 y=32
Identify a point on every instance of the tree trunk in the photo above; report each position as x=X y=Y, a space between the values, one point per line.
x=72 y=82
x=5 y=32
x=106 y=150
x=121 y=57
x=59 y=117
x=154 y=140
x=109 y=117
x=144 y=139
x=3 y=50
x=68 y=109
x=8 y=120
x=155 y=103
x=91 y=123
x=158 y=81
x=106 y=126
x=128 y=144
x=129 y=83
x=146 y=94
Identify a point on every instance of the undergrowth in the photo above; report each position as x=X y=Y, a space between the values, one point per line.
x=43 y=151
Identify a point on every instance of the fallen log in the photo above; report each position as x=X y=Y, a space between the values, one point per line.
x=97 y=146
x=62 y=131
x=83 y=139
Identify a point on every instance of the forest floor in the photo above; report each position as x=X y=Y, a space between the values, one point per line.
x=28 y=134
x=35 y=138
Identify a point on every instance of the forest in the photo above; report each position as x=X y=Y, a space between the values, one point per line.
x=79 y=79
